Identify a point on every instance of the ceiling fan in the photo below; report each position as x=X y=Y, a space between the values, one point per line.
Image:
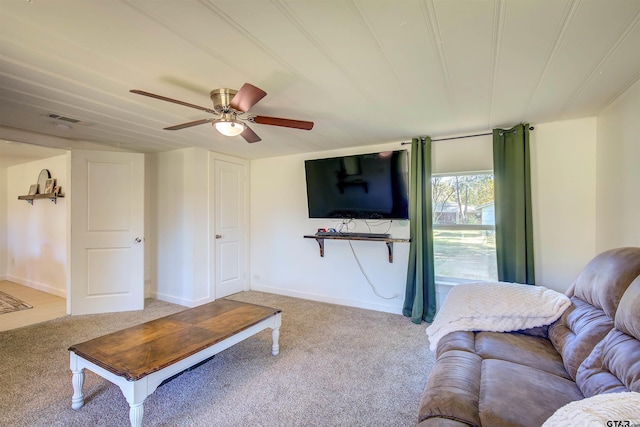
x=230 y=107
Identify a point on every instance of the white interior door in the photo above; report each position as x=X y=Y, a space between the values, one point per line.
x=229 y=227
x=107 y=222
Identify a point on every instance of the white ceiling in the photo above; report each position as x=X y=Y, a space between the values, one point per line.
x=12 y=153
x=365 y=71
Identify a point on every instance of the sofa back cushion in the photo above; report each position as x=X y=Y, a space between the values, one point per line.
x=577 y=332
x=595 y=294
x=628 y=314
x=603 y=281
x=614 y=364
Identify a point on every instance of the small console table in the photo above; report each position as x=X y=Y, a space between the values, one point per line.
x=388 y=240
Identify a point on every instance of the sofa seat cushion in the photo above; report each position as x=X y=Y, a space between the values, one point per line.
x=517 y=395
x=534 y=352
x=466 y=388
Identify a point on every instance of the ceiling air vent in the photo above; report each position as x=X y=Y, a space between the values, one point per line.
x=66 y=119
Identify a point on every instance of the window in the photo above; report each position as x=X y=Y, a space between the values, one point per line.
x=464 y=227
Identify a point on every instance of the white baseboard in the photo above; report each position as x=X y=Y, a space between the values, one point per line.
x=180 y=301
x=168 y=298
x=330 y=299
x=38 y=286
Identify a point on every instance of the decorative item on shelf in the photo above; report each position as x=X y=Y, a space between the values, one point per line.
x=46 y=188
x=49 y=185
x=42 y=179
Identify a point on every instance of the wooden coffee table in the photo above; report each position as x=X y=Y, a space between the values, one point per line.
x=140 y=358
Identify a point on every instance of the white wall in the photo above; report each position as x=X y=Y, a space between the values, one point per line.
x=283 y=262
x=3 y=223
x=452 y=156
x=178 y=217
x=150 y=224
x=618 y=172
x=563 y=172
x=37 y=235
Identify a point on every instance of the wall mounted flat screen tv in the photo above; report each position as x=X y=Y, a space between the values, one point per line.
x=365 y=186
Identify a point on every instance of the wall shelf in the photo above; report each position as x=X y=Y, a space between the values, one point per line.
x=389 y=241
x=31 y=197
x=45 y=183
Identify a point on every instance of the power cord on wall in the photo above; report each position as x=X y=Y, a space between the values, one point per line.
x=345 y=224
x=379 y=222
x=373 y=288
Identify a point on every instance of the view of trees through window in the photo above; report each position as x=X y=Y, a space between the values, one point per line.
x=464 y=226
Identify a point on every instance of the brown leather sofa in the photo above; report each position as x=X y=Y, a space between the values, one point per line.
x=521 y=378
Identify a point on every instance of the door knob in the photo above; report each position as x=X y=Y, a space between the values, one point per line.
x=138 y=240
x=218 y=236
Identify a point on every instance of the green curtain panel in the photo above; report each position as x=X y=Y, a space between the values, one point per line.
x=420 y=295
x=512 y=185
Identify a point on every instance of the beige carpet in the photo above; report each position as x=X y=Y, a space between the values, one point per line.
x=338 y=366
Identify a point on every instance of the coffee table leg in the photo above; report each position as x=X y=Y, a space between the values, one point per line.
x=77 y=380
x=136 y=392
x=135 y=414
x=275 y=334
x=275 y=349
x=77 y=401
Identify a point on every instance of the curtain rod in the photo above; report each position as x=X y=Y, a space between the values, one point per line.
x=469 y=136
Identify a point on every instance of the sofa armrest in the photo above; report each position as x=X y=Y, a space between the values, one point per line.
x=453 y=389
x=459 y=340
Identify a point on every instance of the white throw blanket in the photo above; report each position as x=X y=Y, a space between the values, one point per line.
x=496 y=306
x=600 y=410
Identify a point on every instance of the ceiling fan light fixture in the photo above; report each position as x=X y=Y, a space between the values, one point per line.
x=229 y=127
x=227 y=105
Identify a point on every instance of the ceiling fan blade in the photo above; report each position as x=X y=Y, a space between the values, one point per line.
x=175 y=101
x=188 y=125
x=276 y=121
x=249 y=135
x=247 y=97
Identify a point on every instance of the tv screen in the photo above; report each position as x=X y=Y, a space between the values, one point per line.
x=365 y=186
